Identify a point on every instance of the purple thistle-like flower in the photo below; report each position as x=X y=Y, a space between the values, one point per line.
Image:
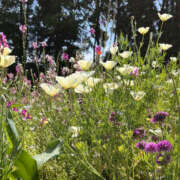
x=141 y=145
x=159 y=117
x=163 y=159
x=139 y=132
x=151 y=147
x=164 y=145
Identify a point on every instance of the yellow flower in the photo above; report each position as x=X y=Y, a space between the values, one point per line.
x=113 y=50
x=85 y=65
x=81 y=89
x=165 y=47
x=125 y=54
x=6 y=61
x=49 y=89
x=143 y=30
x=91 y=82
x=137 y=95
x=108 y=65
x=164 y=17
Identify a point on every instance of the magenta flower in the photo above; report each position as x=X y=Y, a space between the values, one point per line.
x=35 y=45
x=23 y=28
x=159 y=117
x=9 y=104
x=151 y=147
x=15 y=109
x=3 y=40
x=164 y=145
x=65 y=56
x=92 y=31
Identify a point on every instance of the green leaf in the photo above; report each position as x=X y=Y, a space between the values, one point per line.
x=52 y=150
x=26 y=167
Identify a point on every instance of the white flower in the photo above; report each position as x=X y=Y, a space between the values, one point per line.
x=85 y=65
x=125 y=54
x=109 y=87
x=176 y=73
x=143 y=30
x=73 y=80
x=173 y=59
x=137 y=95
x=128 y=82
x=170 y=81
x=81 y=89
x=126 y=69
x=72 y=60
x=49 y=89
x=165 y=47
x=114 y=50
x=164 y=17
x=155 y=64
x=108 y=65
x=74 y=130
x=91 y=82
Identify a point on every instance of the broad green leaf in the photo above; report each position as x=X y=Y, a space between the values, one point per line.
x=26 y=167
x=52 y=150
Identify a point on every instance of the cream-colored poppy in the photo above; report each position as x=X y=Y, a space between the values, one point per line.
x=73 y=80
x=6 y=51
x=85 y=65
x=165 y=47
x=164 y=17
x=114 y=50
x=137 y=95
x=143 y=30
x=108 y=65
x=91 y=82
x=110 y=87
x=125 y=54
x=6 y=61
x=82 y=89
x=49 y=89
x=126 y=69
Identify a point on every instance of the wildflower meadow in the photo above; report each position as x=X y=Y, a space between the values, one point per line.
x=117 y=119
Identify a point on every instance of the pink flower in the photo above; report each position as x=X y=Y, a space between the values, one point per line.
x=4 y=80
x=92 y=31
x=3 y=40
x=23 y=1
x=15 y=109
x=35 y=45
x=19 y=68
x=10 y=75
x=65 y=56
x=43 y=44
x=23 y=28
x=9 y=104
x=50 y=59
x=42 y=76
x=13 y=90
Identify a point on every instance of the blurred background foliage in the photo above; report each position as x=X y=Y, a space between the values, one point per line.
x=65 y=24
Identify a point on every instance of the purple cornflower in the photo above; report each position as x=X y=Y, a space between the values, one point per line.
x=159 y=117
x=141 y=145
x=23 y=28
x=164 y=145
x=92 y=31
x=151 y=147
x=163 y=159
x=34 y=45
x=65 y=56
x=139 y=132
